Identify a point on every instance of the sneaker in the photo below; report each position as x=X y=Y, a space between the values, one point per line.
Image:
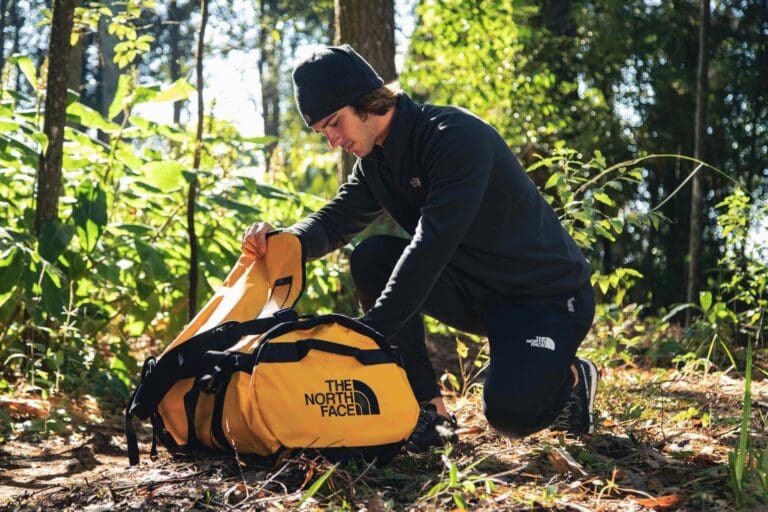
x=432 y=429
x=577 y=416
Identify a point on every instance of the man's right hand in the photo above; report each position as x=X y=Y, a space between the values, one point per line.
x=254 y=243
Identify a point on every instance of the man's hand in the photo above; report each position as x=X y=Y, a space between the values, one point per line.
x=255 y=240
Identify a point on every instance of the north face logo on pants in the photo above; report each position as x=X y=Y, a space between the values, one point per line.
x=344 y=397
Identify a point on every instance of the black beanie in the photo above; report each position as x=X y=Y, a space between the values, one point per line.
x=331 y=78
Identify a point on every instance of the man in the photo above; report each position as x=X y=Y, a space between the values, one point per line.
x=487 y=254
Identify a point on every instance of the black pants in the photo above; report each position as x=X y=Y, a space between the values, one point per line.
x=532 y=342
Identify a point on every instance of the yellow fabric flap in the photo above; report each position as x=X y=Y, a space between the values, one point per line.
x=254 y=288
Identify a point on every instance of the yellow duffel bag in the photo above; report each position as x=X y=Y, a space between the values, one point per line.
x=277 y=381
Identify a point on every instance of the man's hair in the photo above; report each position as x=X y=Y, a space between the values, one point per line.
x=378 y=102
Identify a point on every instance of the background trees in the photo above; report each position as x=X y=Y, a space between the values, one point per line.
x=574 y=86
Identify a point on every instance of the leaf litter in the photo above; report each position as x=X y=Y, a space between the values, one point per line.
x=662 y=443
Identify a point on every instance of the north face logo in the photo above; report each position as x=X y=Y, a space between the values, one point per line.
x=344 y=397
x=541 y=342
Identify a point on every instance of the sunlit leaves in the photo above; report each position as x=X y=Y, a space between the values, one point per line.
x=86 y=116
x=163 y=175
x=181 y=89
x=27 y=68
x=119 y=102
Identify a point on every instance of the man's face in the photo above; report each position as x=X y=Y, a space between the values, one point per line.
x=345 y=129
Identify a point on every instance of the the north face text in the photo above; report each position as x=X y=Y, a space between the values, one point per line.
x=345 y=397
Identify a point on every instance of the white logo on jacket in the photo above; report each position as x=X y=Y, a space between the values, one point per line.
x=542 y=342
x=415 y=182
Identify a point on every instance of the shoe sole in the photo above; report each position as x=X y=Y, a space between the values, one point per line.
x=593 y=378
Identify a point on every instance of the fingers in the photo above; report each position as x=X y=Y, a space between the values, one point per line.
x=254 y=244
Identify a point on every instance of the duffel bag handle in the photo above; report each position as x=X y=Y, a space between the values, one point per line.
x=293 y=352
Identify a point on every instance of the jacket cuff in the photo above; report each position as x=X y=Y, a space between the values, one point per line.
x=313 y=237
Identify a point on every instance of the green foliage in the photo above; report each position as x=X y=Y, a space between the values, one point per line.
x=454 y=61
x=111 y=269
x=316 y=485
x=731 y=312
x=748 y=465
x=586 y=195
x=462 y=484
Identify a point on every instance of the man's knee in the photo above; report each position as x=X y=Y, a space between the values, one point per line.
x=508 y=421
x=519 y=407
x=510 y=414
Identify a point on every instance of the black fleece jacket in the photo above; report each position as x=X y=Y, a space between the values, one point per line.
x=450 y=180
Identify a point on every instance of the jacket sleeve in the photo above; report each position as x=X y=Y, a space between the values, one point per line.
x=459 y=158
x=334 y=225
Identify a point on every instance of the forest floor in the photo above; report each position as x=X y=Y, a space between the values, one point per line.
x=662 y=443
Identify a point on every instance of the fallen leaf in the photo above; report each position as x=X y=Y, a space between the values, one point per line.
x=470 y=430
x=235 y=494
x=563 y=462
x=659 y=502
x=374 y=503
x=25 y=407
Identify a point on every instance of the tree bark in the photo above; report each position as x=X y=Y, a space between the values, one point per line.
x=702 y=91
x=108 y=70
x=192 y=195
x=76 y=53
x=175 y=63
x=49 y=175
x=3 y=9
x=369 y=26
x=270 y=63
x=17 y=21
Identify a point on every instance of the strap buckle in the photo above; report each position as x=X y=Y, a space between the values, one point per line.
x=286 y=315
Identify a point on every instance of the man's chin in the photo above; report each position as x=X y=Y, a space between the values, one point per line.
x=361 y=154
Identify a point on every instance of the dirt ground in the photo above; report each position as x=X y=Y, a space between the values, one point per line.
x=662 y=444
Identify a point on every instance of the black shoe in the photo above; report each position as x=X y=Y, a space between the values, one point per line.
x=578 y=415
x=432 y=429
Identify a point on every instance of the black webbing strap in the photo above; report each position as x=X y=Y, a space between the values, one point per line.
x=190 y=406
x=130 y=433
x=156 y=430
x=292 y=352
x=218 y=368
x=217 y=418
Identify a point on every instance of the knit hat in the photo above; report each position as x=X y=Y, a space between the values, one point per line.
x=331 y=78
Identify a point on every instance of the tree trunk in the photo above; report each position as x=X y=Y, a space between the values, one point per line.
x=175 y=65
x=369 y=26
x=17 y=21
x=76 y=53
x=702 y=91
x=49 y=175
x=108 y=70
x=270 y=63
x=192 y=196
x=3 y=8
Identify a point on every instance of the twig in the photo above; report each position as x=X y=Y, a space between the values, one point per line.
x=354 y=482
x=263 y=486
x=154 y=483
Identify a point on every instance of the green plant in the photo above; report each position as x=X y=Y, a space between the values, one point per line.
x=469 y=370
x=460 y=484
x=108 y=277
x=748 y=466
x=730 y=313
